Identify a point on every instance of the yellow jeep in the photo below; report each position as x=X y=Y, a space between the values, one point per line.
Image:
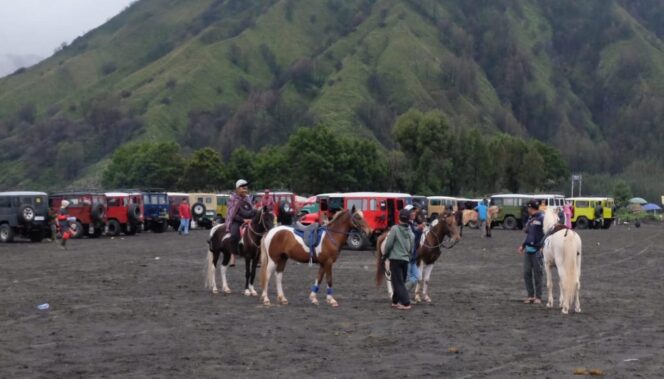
x=222 y=205
x=586 y=211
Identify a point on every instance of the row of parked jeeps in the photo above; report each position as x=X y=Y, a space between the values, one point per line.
x=29 y=214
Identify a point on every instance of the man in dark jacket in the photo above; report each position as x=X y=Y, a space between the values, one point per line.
x=531 y=250
x=240 y=211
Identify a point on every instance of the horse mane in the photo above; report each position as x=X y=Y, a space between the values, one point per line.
x=337 y=215
x=550 y=218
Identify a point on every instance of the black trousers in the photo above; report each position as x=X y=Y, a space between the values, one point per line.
x=399 y=273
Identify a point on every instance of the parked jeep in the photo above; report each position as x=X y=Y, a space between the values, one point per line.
x=125 y=213
x=23 y=214
x=155 y=211
x=89 y=209
x=203 y=208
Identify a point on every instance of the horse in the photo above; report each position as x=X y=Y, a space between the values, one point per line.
x=443 y=229
x=562 y=249
x=281 y=243
x=219 y=242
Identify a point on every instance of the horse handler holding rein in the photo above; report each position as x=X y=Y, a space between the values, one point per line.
x=531 y=250
x=398 y=249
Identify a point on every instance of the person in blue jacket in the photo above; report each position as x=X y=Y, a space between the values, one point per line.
x=531 y=250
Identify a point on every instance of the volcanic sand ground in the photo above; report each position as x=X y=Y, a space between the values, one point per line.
x=118 y=311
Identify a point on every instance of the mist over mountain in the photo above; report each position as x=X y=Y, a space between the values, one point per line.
x=9 y=63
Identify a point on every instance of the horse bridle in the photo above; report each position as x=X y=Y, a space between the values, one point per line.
x=442 y=240
x=352 y=223
x=252 y=230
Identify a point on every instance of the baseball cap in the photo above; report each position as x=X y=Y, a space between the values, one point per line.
x=241 y=183
x=534 y=204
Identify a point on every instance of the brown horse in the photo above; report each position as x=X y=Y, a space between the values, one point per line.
x=219 y=243
x=282 y=243
x=444 y=233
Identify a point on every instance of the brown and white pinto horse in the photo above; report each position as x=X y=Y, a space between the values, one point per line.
x=444 y=233
x=219 y=242
x=281 y=243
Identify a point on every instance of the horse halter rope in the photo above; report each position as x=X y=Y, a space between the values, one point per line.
x=253 y=231
x=442 y=240
x=352 y=223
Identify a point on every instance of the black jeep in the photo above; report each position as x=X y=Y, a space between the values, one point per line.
x=24 y=214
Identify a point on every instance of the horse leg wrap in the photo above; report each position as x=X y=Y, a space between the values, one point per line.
x=329 y=291
x=315 y=288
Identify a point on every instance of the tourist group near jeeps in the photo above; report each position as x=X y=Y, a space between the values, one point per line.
x=268 y=228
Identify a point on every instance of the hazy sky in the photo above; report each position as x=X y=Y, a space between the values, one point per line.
x=39 y=26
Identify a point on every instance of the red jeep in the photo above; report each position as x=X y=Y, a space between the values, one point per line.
x=89 y=208
x=381 y=211
x=284 y=202
x=125 y=213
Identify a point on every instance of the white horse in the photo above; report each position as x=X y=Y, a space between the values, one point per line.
x=562 y=249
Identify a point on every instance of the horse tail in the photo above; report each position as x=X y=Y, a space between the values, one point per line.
x=380 y=265
x=570 y=251
x=264 y=258
x=209 y=269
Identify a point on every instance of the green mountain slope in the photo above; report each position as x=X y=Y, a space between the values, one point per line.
x=587 y=77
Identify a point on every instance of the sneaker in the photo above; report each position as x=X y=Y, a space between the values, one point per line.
x=537 y=301
x=403 y=307
x=529 y=300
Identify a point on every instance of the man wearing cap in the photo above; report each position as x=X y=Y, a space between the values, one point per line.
x=239 y=211
x=398 y=249
x=531 y=250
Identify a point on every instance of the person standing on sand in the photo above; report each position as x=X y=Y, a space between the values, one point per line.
x=482 y=211
x=531 y=250
x=185 y=217
x=398 y=249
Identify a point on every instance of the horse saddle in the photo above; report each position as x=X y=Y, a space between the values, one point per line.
x=310 y=234
x=243 y=230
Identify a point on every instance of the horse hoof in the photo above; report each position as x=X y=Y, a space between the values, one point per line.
x=577 y=310
x=418 y=299
x=254 y=293
x=549 y=305
x=247 y=293
x=313 y=299
x=227 y=291
x=215 y=291
x=333 y=303
x=427 y=299
x=266 y=301
x=565 y=311
x=282 y=300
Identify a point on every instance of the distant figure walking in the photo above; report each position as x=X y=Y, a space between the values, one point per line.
x=482 y=212
x=185 y=217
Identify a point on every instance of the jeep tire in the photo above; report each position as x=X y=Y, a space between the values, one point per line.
x=26 y=213
x=98 y=211
x=113 y=228
x=134 y=214
x=510 y=223
x=582 y=223
x=6 y=233
x=355 y=240
x=198 y=210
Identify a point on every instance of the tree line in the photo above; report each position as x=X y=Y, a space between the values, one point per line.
x=430 y=157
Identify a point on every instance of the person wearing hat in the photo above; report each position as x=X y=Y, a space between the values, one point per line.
x=239 y=211
x=64 y=224
x=399 y=245
x=531 y=250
